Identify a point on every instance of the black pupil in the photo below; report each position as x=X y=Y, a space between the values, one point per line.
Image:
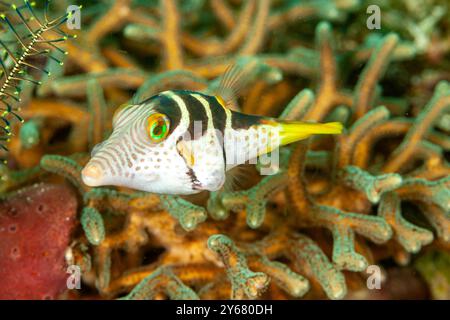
x=158 y=129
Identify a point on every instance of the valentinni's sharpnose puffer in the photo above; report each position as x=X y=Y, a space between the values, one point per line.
x=183 y=142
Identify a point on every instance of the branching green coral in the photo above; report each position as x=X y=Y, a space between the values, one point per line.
x=291 y=282
x=244 y=282
x=66 y=167
x=309 y=257
x=93 y=225
x=410 y=236
x=438 y=104
x=343 y=226
x=188 y=214
x=161 y=281
x=76 y=86
x=372 y=186
x=439 y=219
x=254 y=200
x=169 y=79
x=349 y=141
x=375 y=68
x=306 y=257
x=298 y=106
x=120 y=202
x=433 y=192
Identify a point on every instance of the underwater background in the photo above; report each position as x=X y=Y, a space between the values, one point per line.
x=362 y=215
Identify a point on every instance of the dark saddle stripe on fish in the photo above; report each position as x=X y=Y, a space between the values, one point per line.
x=170 y=108
x=244 y=121
x=197 y=114
x=218 y=114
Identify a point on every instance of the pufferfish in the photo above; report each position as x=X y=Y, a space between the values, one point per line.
x=183 y=142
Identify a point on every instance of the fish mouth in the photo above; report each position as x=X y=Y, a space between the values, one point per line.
x=92 y=175
x=197 y=186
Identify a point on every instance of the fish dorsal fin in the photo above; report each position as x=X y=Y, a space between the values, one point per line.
x=236 y=77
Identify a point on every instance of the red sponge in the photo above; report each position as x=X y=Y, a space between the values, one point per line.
x=36 y=224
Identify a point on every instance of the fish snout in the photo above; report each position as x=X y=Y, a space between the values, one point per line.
x=92 y=175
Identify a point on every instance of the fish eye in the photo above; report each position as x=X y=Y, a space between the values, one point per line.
x=158 y=127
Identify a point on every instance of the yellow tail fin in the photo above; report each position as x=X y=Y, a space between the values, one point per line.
x=295 y=131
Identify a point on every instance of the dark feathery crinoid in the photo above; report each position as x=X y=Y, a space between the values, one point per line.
x=25 y=37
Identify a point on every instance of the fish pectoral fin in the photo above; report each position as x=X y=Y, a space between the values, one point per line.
x=234 y=176
x=185 y=151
